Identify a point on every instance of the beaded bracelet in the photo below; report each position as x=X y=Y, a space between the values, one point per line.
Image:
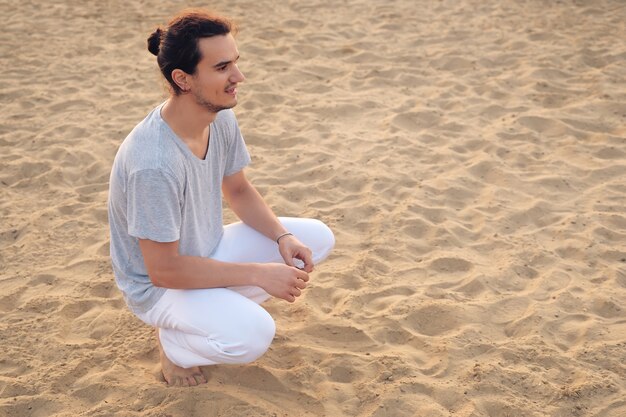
x=283 y=235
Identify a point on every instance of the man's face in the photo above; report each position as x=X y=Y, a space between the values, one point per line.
x=214 y=85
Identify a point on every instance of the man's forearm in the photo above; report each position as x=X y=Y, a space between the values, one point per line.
x=193 y=272
x=167 y=269
x=250 y=207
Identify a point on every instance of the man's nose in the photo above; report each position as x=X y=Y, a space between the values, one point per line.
x=237 y=76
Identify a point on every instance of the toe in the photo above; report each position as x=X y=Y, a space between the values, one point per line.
x=201 y=379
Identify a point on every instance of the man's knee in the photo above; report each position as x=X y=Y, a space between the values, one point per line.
x=256 y=342
x=248 y=344
x=324 y=241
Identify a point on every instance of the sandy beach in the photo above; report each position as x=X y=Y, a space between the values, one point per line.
x=470 y=157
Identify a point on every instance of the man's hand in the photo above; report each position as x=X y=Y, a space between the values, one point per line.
x=291 y=248
x=282 y=281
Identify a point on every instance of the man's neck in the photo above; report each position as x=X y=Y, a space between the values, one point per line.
x=188 y=120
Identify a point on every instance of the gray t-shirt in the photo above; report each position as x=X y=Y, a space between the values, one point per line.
x=159 y=190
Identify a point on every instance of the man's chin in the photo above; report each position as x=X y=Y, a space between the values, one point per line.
x=214 y=107
x=219 y=109
x=229 y=106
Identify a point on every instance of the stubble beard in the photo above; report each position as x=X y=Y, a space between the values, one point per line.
x=208 y=106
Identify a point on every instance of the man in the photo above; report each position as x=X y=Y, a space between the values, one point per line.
x=199 y=283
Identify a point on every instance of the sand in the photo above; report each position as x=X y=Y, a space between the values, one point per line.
x=469 y=156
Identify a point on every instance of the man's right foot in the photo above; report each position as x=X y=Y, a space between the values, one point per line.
x=175 y=376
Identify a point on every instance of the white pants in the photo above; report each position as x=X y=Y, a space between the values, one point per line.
x=227 y=325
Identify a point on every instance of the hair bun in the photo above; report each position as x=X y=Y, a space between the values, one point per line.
x=154 y=42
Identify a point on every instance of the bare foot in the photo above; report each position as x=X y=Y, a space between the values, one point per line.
x=175 y=376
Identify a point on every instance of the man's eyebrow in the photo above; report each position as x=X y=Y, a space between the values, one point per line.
x=223 y=63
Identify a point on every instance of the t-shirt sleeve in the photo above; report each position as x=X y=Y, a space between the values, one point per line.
x=238 y=156
x=154 y=206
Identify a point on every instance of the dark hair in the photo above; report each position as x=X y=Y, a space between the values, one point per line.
x=176 y=46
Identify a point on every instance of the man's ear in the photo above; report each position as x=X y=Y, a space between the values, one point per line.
x=181 y=78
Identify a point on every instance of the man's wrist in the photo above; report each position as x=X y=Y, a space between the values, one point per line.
x=256 y=274
x=282 y=235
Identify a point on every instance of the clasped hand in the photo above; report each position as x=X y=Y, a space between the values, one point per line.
x=287 y=281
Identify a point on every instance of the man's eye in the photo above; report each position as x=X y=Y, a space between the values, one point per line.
x=222 y=68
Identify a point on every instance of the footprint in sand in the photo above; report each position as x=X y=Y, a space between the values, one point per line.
x=433 y=320
x=542 y=125
x=451 y=265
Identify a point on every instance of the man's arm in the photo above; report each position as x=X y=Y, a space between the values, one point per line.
x=250 y=207
x=166 y=268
